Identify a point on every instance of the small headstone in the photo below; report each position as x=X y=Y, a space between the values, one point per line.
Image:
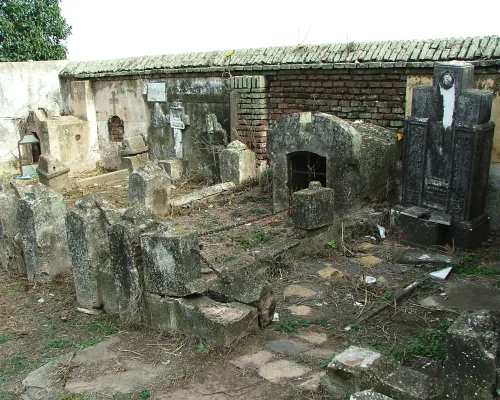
x=134 y=152
x=150 y=186
x=237 y=163
x=313 y=207
x=41 y=217
x=53 y=173
x=87 y=225
x=171 y=262
x=176 y=168
x=10 y=248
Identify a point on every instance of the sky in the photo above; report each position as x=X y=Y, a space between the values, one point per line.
x=108 y=29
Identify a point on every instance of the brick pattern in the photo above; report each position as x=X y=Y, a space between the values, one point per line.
x=252 y=116
x=373 y=95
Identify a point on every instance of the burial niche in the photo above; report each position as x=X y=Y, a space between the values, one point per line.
x=303 y=168
x=115 y=128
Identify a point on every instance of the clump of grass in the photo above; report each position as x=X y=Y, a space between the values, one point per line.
x=3 y=338
x=255 y=239
x=58 y=344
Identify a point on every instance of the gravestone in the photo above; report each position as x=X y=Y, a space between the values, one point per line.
x=174 y=167
x=41 y=217
x=447 y=147
x=170 y=261
x=150 y=186
x=87 y=226
x=122 y=285
x=53 y=173
x=10 y=248
x=237 y=163
x=313 y=207
x=134 y=152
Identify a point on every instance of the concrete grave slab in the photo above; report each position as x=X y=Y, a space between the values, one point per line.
x=313 y=337
x=406 y=384
x=288 y=347
x=299 y=291
x=276 y=371
x=254 y=360
x=300 y=310
x=369 y=261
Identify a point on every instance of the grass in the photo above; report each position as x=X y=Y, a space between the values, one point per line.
x=58 y=344
x=3 y=339
x=255 y=239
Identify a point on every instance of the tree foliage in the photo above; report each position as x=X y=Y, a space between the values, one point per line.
x=32 y=30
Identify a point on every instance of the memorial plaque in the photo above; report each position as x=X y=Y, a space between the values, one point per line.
x=176 y=118
x=157 y=91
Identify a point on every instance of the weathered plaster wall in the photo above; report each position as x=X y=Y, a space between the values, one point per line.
x=481 y=81
x=25 y=86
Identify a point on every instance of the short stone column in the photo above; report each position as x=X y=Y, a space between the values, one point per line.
x=10 y=250
x=53 y=173
x=150 y=186
x=134 y=152
x=313 y=207
x=122 y=284
x=237 y=163
x=171 y=261
x=41 y=217
x=87 y=226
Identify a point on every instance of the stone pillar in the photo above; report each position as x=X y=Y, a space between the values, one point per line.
x=171 y=262
x=174 y=167
x=122 y=284
x=237 y=163
x=41 y=217
x=87 y=226
x=313 y=207
x=10 y=249
x=150 y=186
x=53 y=173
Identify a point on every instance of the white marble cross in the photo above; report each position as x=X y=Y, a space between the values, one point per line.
x=178 y=122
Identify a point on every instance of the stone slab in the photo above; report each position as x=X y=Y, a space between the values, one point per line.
x=279 y=370
x=254 y=360
x=441 y=274
x=369 y=261
x=313 y=337
x=369 y=395
x=202 y=194
x=288 y=347
x=311 y=383
x=425 y=257
x=405 y=383
x=299 y=291
x=104 y=178
x=330 y=273
x=300 y=310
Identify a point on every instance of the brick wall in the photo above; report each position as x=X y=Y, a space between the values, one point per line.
x=373 y=95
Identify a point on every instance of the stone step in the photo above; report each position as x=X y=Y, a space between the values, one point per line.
x=406 y=384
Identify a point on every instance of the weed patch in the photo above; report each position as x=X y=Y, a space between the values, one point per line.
x=58 y=344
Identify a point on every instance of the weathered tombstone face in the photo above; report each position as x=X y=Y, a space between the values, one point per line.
x=448 y=142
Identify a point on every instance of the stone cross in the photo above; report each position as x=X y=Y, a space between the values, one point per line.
x=113 y=101
x=178 y=122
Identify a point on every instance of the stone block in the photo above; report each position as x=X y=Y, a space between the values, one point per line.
x=53 y=173
x=87 y=227
x=237 y=163
x=150 y=186
x=10 y=248
x=357 y=369
x=161 y=312
x=41 y=217
x=313 y=207
x=406 y=384
x=133 y=145
x=170 y=262
x=472 y=356
x=176 y=168
x=122 y=284
x=133 y=162
x=218 y=324
x=248 y=286
x=492 y=206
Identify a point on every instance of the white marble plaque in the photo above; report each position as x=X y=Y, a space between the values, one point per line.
x=176 y=118
x=157 y=91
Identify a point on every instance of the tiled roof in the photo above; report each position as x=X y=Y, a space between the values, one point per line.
x=400 y=53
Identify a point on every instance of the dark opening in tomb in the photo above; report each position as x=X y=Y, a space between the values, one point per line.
x=304 y=167
x=115 y=129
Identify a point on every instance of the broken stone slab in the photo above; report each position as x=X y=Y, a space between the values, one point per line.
x=87 y=228
x=174 y=167
x=10 y=249
x=103 y=178
x=406 y=384
x=218 y=324
x=131 y=163
x=237 y=163
x=358 y=368
x=313 y=207
x=150 y=186
x=369 y=395
x=161 y=312
x=133 y=145
x=53 y=173
x=470 y=368
x=170 y=262
x=425 y=257
x=202 y=194
x=122 y=284
x=441 y=274
x=248 y=285
x=41 y=217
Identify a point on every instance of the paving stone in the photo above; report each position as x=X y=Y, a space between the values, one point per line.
x=397 y=268
x=282 y=369
x=254 y=360
x=369 y=395
x=369 y=261
x=311 y=384
x=330 y=273
x=313 y=337
x=288 y=347
x=365 y=247
x=320 y=353
x=351 y=269
x=301 y=310
x=299 y=291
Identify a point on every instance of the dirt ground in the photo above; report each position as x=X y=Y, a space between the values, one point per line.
x=41 y=321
